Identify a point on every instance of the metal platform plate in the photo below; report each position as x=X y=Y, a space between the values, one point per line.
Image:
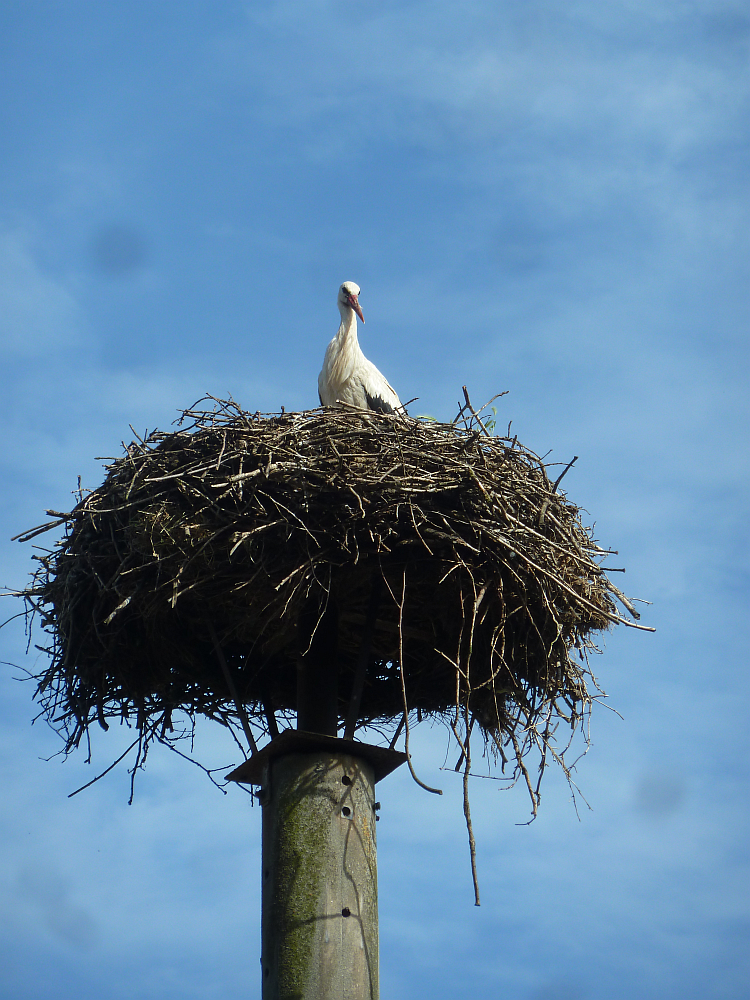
x=382 y=759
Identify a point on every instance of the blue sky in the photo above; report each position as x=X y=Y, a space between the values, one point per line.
x=544 y=197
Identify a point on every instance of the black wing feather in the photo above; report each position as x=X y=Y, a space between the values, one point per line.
x=378 y=403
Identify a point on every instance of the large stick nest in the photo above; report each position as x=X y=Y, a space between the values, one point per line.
x=188 y=580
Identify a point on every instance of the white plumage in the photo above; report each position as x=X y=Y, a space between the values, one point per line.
x=347 y=376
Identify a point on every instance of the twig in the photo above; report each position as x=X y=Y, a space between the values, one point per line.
x=111 y=766
x=365 y=652
x=26 y=536
x=427 y=788
x=397 y=733
x=473 y=411
x=569 y=466
x=465 y=747
x=232 y=689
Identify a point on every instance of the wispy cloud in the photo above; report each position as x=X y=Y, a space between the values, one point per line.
x=643 y=73
x=39 y=315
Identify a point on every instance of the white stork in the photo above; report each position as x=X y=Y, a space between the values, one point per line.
x=347 y=376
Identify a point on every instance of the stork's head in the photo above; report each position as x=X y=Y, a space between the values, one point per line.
x=349 y=298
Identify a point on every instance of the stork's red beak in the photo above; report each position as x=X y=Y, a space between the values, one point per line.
x=354 y=303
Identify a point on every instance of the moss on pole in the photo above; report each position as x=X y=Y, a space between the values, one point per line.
x=320 y=895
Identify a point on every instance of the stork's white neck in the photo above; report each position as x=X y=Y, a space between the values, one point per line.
x=348 y=328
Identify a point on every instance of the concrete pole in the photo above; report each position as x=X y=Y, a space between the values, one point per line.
x=320 y=895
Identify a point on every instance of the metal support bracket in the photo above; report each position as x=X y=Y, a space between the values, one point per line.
x=382 y=760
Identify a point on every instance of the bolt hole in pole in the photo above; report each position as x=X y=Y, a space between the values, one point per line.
x=346 y=811
x=346 y=780
x=346 y=912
